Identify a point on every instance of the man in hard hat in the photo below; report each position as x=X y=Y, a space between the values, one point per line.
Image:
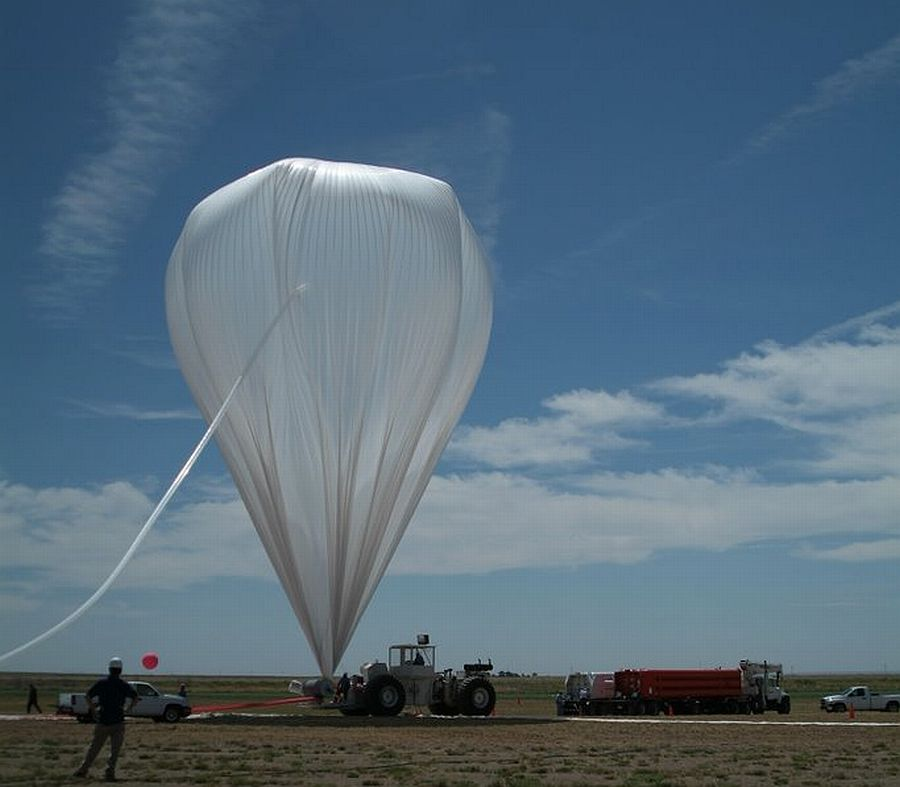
x=106 y=699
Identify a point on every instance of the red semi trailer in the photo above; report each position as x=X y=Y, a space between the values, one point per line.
x=751 y=688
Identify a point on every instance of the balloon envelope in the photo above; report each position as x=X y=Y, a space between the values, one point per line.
x=150 y=660
x=334 y=432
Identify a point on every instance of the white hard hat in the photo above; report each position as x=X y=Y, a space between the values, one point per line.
x=115 y=663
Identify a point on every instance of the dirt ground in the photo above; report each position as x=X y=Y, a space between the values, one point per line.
x=501 y=751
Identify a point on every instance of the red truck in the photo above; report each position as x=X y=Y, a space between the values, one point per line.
x=753 y=687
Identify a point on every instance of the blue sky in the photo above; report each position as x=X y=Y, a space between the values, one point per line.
x=683 y=448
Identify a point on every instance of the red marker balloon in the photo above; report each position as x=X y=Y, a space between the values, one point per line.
x=150 y=660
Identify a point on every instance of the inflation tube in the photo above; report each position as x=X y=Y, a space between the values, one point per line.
x=165 y=498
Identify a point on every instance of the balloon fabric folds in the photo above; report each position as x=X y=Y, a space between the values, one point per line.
x=335 y=430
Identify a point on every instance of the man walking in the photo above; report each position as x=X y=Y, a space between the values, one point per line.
x=32 y=699
x=107 y=697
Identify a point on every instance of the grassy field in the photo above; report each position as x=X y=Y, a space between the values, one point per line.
x=523 y=745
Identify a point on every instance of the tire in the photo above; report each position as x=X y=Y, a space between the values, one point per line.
x=385 y=696
x=838 y=707
x=784 y=707
x=893 y=707
x=477 y=697
x=171 y=714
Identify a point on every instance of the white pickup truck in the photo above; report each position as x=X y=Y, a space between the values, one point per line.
x=151 y=704
x=860 y=698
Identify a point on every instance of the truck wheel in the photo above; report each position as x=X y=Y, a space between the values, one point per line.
x=477 y=697
x=893 y=707
x=385 y=696
x=171 y=714
x=839 y=707
x=784 y=707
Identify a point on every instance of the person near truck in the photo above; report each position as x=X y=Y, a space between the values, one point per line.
x=32 y=699
x=106 y=700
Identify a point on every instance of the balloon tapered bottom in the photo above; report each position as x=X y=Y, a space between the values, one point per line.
x=318 y=688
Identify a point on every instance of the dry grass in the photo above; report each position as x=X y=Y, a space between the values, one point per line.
x=523 y=746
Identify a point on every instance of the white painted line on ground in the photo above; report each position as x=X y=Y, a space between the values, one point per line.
x=745 y=723
x=500 y=719
x=34 y=717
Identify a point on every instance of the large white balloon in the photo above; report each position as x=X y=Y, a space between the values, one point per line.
x=339 y=422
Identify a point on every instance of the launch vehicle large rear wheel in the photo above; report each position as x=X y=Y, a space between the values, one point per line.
x=477 y=697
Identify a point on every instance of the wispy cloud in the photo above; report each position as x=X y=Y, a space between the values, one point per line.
x=854 y=79
x=162 y=86
x=868 y=324
x=465 y=71
x=151 y=352
x=859 y=551
x=130 y=412
x=471 y=154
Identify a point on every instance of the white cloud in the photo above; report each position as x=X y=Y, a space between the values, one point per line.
x=73 y=538
x=553 y=504
x=842 y=392
x=493 y=521
x=599 y=408
x=70 y=534
x=163 y=85
x=806 y=382
x=584 y=422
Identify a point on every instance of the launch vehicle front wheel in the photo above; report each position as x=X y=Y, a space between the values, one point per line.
x=385 y=696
